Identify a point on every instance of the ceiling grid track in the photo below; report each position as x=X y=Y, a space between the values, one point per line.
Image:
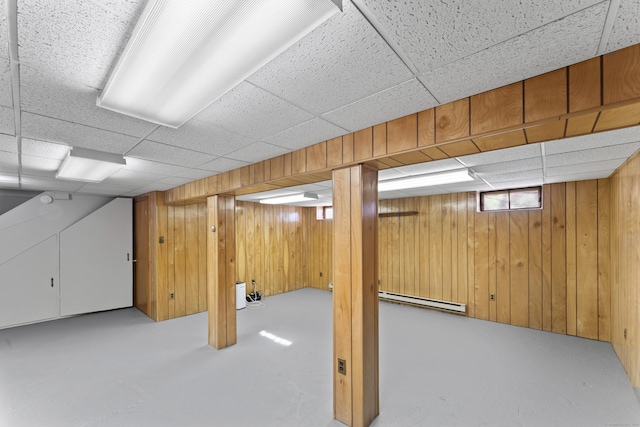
x=11 y=11
x=371 y=18
x=608 y=26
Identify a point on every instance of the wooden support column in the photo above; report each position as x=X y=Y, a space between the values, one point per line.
x=221 y=271
x=355 y=295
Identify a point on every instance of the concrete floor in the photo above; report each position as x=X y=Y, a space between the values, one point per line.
x=119 y=368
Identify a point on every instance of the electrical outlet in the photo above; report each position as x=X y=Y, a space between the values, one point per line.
x=625 y=333
x=321 y=274
x=342 y=366
x=492 y=297
x=161 y=240
x=172 y=295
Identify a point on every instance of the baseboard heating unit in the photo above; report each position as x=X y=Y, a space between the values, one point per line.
x=448 y=306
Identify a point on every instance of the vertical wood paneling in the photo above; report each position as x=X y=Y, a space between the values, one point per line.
x=572 y=291
x=546 y=257
x=481 y=255
x=202 y=257
x=535 y=269
x=503 y=273
x=435 y=249
x=625 y=266
x=192 y=273
x=180 y=273
x=558 y=260
x=587 y=259
x=604 y=264
x=493 y=315
x=519 y=258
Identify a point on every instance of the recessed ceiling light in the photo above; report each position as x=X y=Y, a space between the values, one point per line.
x=417 y=181
x=294 y=198
x=82 y=164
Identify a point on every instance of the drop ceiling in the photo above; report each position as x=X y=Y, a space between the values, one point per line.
x=376 y=61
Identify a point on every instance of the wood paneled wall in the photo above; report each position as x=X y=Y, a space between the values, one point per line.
x=547 y=269
x=181 y=261
x=319 y=249
x=625 y=266
x=272 y=246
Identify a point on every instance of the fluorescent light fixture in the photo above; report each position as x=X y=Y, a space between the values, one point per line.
x=450 y=177
x=82 y=164
x=182 y=56
x=294 y=198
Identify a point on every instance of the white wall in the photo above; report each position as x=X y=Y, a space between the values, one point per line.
x=33 y=222
x=31 y=271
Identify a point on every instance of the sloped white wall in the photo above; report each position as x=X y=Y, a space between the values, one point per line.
x=33 y=222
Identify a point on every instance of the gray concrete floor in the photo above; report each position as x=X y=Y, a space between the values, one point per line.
x=119 y=368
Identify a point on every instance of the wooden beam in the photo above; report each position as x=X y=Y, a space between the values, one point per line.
x=221 y=271
x=355 y=298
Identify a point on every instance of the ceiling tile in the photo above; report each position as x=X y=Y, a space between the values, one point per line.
x=553 y=46
x=578 y=177
x=222 y=164
x=512 y=176
x=163 y=153
x=518 y=184
x=430 y=167
x=257 y=152
x=251 y=111
x=8 y=143
x=45 y=184
x=8 y=162
x=174 y=181
x=510 y=166
x=626 y=27
x=305 y=134
x=40 y=166
x=202 y=137
x=6 y=96
x=3 y=30
x=391 y=174
x=398 y=101
x=193 y=174
x=594 y=140
x=434 y=33
x=53 y=130
x=151 y=167
x=7 y=121
x=104 y=189
x=131 y=178
x=396 y=194
x=623 y=151
x=501 y=156
x=76 y=40
x=605 y=165
x=341 y=61
x=46 y=95
x=49 y=150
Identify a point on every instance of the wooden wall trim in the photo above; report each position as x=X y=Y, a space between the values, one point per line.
x=596 y=95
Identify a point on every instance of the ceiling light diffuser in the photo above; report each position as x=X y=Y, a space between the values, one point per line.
x=82 y=164
x=450 y=177
x=303 y=197
x=182 y=56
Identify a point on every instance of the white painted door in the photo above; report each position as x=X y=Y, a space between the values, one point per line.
x=29 y=285
x=96 y=272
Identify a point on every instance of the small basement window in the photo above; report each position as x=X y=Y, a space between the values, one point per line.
x=324 y=212
x=508 y=200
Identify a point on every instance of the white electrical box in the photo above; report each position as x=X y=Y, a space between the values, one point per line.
x=241 y=295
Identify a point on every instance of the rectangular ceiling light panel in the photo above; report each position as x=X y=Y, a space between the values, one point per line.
x=182 y=56
x=295 y=198
x=418 y=181
x=86 y=165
